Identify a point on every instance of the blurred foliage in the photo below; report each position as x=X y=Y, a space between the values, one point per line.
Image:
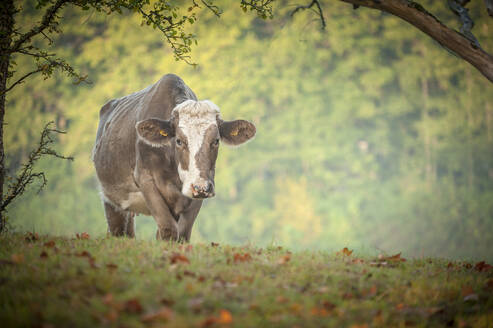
x=368 y=133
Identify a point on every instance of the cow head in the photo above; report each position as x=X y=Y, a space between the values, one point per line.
x=194 y=133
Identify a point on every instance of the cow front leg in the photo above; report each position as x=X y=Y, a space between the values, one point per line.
x=187 y=218
x=167 y=228
x=119 y=221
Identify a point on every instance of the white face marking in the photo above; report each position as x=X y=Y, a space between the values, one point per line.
x=195 y=117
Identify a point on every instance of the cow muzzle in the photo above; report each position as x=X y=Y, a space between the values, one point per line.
x=204 y=189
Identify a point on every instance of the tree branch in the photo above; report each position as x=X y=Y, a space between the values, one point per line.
x=27 y=175
x=262 y=7
x=489 y=7
x=20 y=80
x=416 y=15
x=46 y=22
x=309 y=6
x=467 y=23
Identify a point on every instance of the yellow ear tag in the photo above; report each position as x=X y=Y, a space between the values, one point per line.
x=234 y=133
x=163 y=133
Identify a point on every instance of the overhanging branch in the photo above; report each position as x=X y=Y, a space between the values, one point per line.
x=319 y=11
x=419 y=17
x=46 y=22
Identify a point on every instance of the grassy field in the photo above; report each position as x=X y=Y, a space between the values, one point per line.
x=83 y=282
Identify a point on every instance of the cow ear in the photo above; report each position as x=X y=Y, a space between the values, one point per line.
x=236 y=132
x=155 y=132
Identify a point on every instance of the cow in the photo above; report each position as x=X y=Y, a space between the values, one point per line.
x=155 y=154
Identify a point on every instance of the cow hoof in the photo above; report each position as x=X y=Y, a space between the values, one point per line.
x=170 y=233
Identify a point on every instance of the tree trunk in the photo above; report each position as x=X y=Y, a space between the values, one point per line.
x=7 y=11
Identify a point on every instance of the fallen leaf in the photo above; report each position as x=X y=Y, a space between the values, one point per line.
x=482 y=266
x=239 y=257
x=399 y=307
x=296 y=308
x=17 y=258
x=393 y=258
x=195 y=304
x=83 y=235
x=345 y=251
x=179 y=258
x=328 y=305
x=112 y=266
x=468 y=294
x=225 y=317
x=281 y=299
x=319 y=312
x=49 y=244
x=43 y=255
x=31 y=237
x=209 y=321
x=163 y=314
x=467 y=265
x=108 y=299
x=111 y=315
x=357 y=261
x=167 y=302
x=133 y=306
x=450 y=265
x=284 y=259
x=213 y=244
x=84 y=254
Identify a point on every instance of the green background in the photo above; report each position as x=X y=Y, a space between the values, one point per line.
x=369 y=134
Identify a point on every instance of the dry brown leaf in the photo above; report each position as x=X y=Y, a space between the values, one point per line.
x=296 y=308
x=242 y=257
x=482 y=266
x=111 y=315
x=225 y=317
x=50 y=244
x=345 y=252
x=17 y=258
x=466 y=291
x=83 y=235
x=108 y=299
x=112 y=266
x=281 y=299
x=43 y=255
x=319 y=312
x=163 y=314
x=284 y=259
x=213 y=244
x=179 y=258
x=133 y=306
x=209 y=321
x=31 y=237
x=393 y=258
x=166 y=301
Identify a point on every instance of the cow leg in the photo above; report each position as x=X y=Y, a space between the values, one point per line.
x=167 y=228
x=185 y=223
x=130 y=231
x=117 y=220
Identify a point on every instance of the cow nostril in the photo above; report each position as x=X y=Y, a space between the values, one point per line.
x=210 y=187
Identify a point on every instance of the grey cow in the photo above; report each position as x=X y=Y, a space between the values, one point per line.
x=155 y=154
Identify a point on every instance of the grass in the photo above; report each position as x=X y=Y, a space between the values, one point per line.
x=62 y=282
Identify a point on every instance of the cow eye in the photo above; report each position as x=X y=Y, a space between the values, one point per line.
x=216 y=142
x=178 y=142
